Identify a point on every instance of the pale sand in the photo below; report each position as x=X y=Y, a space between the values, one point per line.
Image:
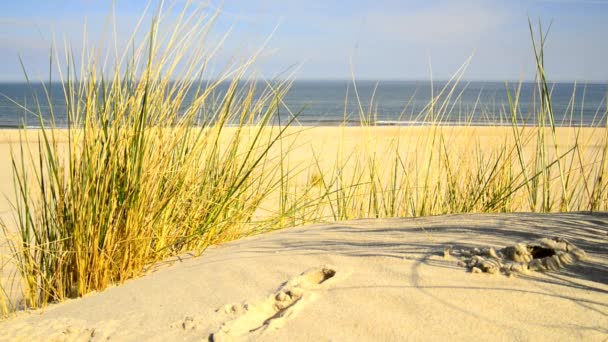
x=391 y=282
x=357 y=280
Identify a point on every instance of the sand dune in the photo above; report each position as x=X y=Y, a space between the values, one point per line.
x=357 y=280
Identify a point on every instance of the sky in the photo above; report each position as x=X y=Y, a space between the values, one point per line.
x=315 y=39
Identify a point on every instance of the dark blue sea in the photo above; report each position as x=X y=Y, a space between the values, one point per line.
x=376 y=102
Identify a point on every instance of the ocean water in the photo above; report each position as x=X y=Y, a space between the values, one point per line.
x=380 y=103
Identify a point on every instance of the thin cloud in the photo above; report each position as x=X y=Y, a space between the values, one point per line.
x=575 y=2
x=439 y=23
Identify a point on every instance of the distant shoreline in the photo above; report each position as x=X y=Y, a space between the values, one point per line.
x=362 y=80
x=383 y=123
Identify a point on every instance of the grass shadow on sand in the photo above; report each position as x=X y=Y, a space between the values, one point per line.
x=418 y=238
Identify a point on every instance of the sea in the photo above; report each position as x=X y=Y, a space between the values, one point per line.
x=345 y=102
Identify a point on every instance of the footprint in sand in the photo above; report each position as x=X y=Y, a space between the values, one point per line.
x=546 y=254
x=272 y=312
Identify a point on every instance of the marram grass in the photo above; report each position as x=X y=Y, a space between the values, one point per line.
x=143 y=174
x=140 y=175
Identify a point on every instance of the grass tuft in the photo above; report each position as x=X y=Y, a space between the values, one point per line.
x=147 y=168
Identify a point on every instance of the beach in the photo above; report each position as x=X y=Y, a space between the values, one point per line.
x=324 y=149
x=366 y=279
x=303 y=171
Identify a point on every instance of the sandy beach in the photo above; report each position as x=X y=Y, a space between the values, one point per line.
x=332 y=147
x=369 y=279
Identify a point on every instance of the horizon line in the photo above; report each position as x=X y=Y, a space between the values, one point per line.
x=314 y=79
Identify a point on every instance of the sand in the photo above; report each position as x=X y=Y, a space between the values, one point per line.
x=382 y=279
x=358 y=280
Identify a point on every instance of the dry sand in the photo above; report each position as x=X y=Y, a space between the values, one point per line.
x=375 y=280
x=357 y=280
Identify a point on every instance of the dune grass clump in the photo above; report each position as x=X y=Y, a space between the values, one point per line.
x=146 y=168
x=436 y=169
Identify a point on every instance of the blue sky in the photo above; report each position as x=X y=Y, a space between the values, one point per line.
x=383 y=39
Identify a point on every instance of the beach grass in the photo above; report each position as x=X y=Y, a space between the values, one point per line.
x=139 y=175
x=142 y=174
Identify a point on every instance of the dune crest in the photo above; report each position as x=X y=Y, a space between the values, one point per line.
x=386 y=282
